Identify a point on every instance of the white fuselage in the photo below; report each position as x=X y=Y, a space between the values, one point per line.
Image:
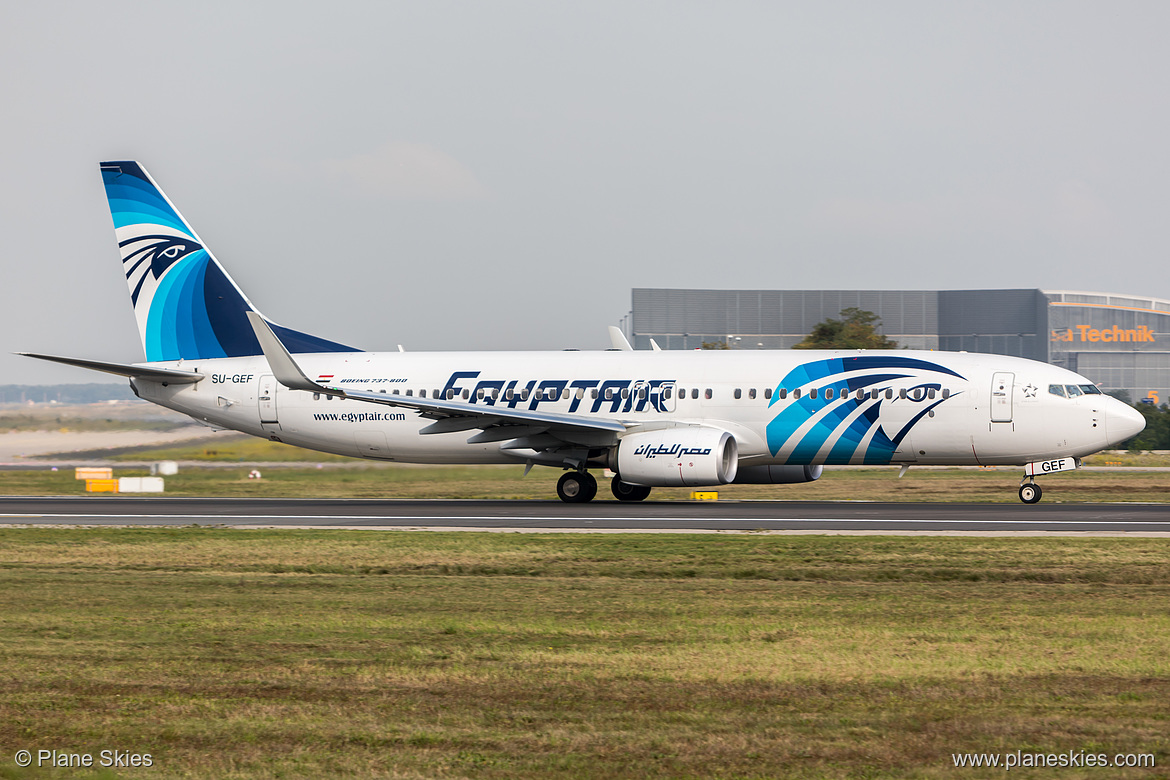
x=782 y=407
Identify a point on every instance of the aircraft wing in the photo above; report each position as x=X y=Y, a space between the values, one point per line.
x=155 y=373
x=497 y=423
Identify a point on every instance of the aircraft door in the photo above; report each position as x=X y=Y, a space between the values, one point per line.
x=1001 y=396
x=266 y=398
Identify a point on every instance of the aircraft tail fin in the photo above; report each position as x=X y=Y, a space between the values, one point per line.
x=186 y=305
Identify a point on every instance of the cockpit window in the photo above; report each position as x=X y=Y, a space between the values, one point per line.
x=1073 y=391
x=1090 y=389
x=1057 y=390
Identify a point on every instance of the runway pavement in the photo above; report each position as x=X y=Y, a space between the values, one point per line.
x=599 y=516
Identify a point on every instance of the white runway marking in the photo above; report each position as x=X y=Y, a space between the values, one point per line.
x=562 y=518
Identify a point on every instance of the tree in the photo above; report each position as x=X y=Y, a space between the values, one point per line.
x=716 y=345
x=857 y=329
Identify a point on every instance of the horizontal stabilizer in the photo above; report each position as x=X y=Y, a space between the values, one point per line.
x=154 y=373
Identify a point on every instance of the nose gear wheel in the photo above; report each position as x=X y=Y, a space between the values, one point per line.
x=1030 y=493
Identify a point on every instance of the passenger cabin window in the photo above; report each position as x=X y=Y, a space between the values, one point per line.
x=783 y=393
x=593 y=394
x=813 y=394
x=707 y=393
x=768 y=393
x=695 y=393
x=902 y=394
x=422 y=393
x=946 y=393
x=930 y=393
x=796 y=394
x=666 y=392
x=752 y=393
x=738 y=393
x=829 y=394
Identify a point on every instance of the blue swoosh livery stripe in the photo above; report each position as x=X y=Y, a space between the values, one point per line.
x=843 y=423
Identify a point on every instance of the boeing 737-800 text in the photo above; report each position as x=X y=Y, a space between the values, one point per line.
x=655 y=418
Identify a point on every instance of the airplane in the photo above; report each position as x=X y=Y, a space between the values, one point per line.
x=655 y=418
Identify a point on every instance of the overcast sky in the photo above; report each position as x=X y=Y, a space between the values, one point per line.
x=500 y=175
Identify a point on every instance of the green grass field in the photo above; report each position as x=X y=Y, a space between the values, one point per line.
x=228 y=447
x=259 y=654
x=298 y=474
x=508 y=482
x=240 y=447
x=122 y=416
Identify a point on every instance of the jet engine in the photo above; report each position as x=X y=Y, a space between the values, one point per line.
x=678 y=457
x=777 y=475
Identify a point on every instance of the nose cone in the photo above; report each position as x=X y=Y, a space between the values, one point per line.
x=1122 y=422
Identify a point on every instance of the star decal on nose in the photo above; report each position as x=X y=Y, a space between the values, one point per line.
x=1030 y=391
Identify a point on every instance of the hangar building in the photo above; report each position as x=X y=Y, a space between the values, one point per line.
x=1122 y=342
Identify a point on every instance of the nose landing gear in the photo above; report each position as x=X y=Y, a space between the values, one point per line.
x=1030 y=492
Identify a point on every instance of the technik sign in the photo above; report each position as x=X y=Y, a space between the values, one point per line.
x=1084 y=333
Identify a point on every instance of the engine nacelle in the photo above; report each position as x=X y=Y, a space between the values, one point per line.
x=678 y=457
x=777 y=475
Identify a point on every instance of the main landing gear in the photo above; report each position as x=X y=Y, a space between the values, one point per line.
x=624 y=491
x=578 y=487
